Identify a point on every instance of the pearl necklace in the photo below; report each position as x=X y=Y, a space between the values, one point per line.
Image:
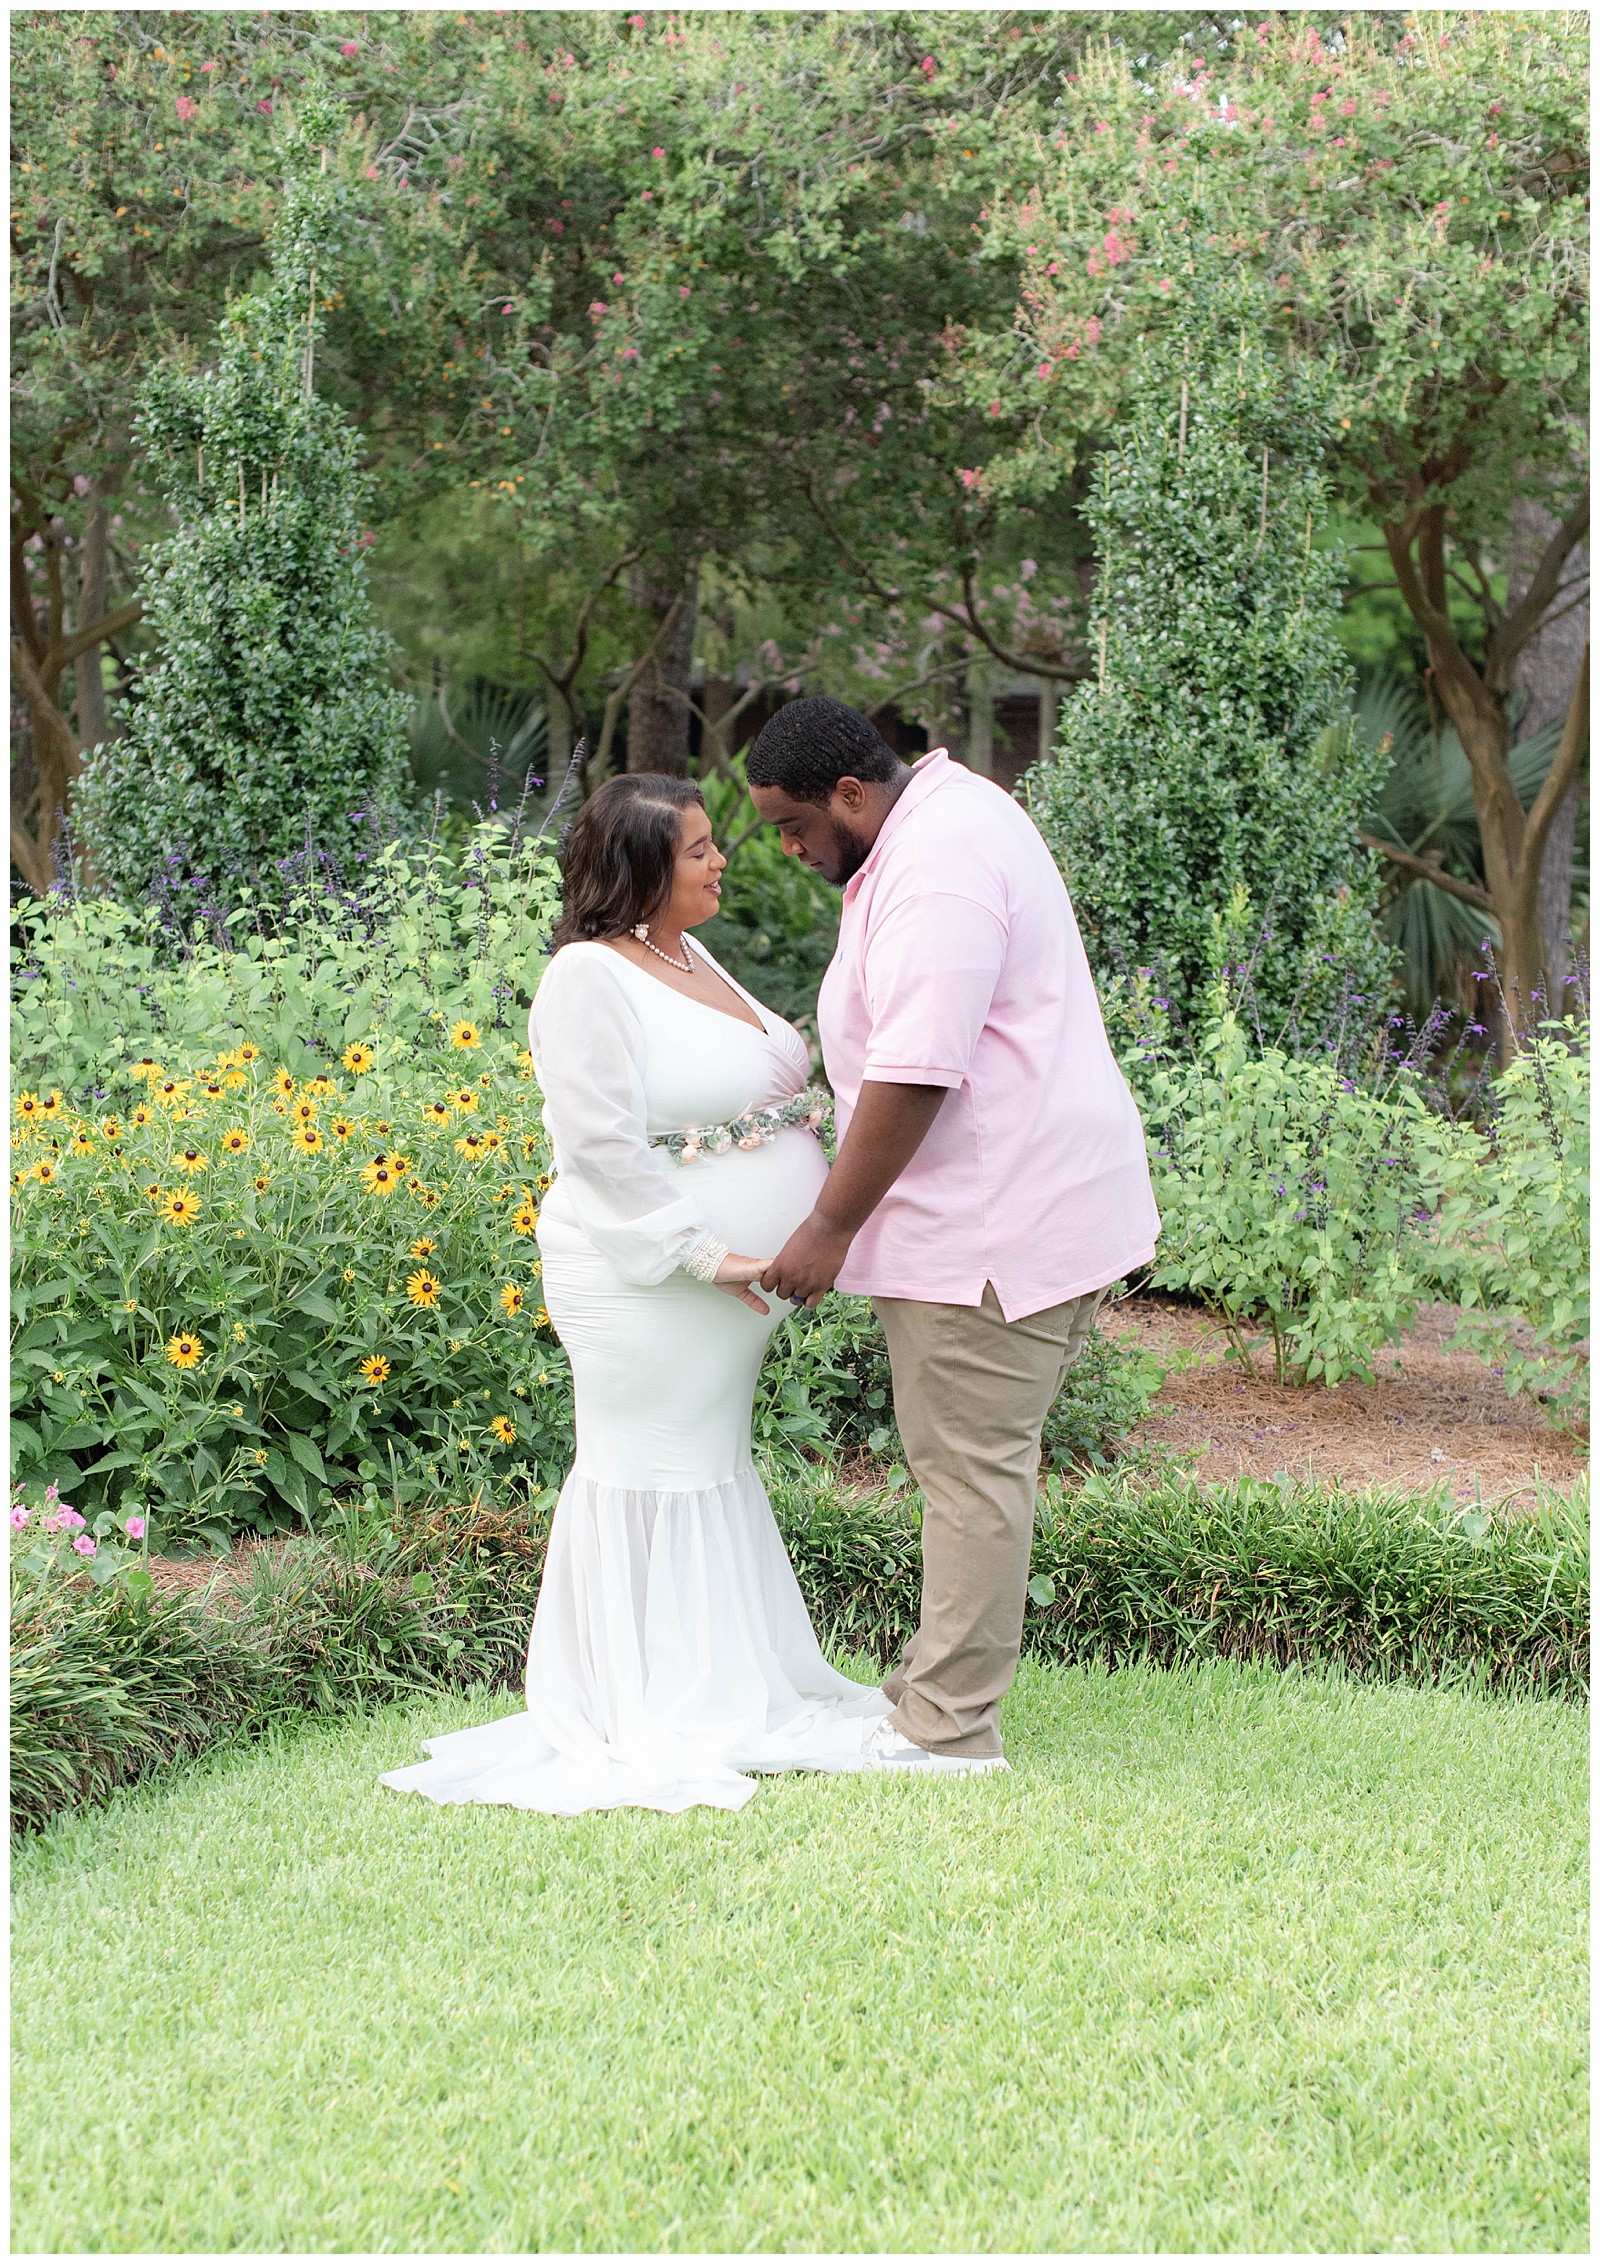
x=685 y=965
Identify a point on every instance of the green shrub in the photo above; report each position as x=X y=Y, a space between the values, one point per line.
x=269 y=715
x=1293 y=1196
x=1215 y=749
x=240 y=1288
x=394 y=947
x=1515 y=1217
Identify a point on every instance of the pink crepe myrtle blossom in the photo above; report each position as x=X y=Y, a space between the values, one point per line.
x=349 y=47
x=372 y=172
x=658 y=151
x=927 y=66
x=683 y=290
x=970 y=479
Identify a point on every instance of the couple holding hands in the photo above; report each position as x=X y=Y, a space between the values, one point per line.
x=990 y=1183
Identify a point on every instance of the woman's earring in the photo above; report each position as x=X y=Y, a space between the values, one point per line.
x=642 y=931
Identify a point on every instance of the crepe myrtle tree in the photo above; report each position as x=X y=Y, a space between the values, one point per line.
x=1412 y=193
x=1212 y=759
x=269 y=717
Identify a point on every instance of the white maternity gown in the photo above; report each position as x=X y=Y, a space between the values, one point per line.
x=671 y=1650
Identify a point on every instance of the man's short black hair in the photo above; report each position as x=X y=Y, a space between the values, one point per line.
x=811 y=744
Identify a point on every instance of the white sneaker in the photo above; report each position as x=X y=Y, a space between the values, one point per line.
x=883 y=1747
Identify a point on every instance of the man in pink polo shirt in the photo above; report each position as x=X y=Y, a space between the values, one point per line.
x=990 y=1181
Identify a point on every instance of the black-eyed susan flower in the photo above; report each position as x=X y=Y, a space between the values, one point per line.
x=512 y=1299
x=464 y=1100
x=110 y=1129
x=185 y=1350
x=541 y=1320
x=234 y=1079
x=504 y=1430
x=182 y=1207
x=524 y=1219
x=23 y=1177
x=82 y=1143
x=524 y=1062
x=379 y=1177
x=147 y=1067
x=52 y=1105
x=235 y=1142
x=282 y=1082
x=246 y=1053
x=342 y=1128
x=437 y=1112
x=169 y=1091
x=543 y=1182
x=465 y=1036
x=306 y=1140
x=382 y=1130
x=189 y=1159
x=28 y=1107
x=492 y=1143
x=424 y=1246
x=470 y=1146
x=142 y=1116
x=261 y=1182
x=398 y=1162
x=303 y=1111
x=213 y=1088
x=374 y=1370
x=423 y=1288
x=427 y=1197
x=44 y=1171
x=130 y=1304
x=323 y=1087
x=357 y=1059
x=530 y=1146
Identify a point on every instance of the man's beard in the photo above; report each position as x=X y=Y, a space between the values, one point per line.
x=852 y=855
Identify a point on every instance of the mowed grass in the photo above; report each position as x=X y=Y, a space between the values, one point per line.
x=1235 y=1960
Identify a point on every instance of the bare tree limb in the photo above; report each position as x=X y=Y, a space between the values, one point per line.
x=1526 y=616
x=1420 y=868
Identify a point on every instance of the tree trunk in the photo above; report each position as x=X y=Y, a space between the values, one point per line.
x=1049 y=712
x=980 y=720
x=716 y=703
x=93 y=725
x=658 y=706
x=1545 y=673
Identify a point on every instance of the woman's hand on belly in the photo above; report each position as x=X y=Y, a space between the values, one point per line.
x=735 y=1277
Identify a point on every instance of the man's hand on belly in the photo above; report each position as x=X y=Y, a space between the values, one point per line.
x=889 y=1125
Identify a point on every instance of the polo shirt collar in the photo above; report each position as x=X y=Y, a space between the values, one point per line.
x=928 y=773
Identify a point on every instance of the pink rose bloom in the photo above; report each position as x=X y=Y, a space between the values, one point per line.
x=83 y=1545
x=19 y=1518
x=134 y=1528
x=691 y=1149
x=751 y=1140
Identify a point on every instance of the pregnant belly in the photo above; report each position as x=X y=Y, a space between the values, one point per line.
x=754 y=1198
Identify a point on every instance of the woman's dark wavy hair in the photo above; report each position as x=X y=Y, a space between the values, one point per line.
x=617 y=859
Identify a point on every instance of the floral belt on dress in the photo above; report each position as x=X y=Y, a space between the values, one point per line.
x=753 y=1131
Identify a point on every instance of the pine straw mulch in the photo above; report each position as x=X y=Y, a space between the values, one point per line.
x=1431 y=1417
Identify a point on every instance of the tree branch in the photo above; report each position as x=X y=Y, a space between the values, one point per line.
x=1420 y=869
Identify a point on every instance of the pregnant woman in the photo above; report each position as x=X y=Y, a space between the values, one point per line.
x=671 y=1651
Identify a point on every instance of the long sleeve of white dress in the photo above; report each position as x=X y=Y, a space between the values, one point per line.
x=586 y=1037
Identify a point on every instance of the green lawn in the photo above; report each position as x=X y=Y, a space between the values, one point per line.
x=1234 y=1960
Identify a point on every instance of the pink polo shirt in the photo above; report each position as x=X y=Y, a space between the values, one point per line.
x=960 y=964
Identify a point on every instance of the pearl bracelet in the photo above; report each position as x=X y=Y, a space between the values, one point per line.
x=704 y=1259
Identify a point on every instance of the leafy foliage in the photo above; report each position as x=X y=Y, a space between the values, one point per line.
x=239 y=1287
x=1516 y=1210
x=268 y=718
x=1215 y=751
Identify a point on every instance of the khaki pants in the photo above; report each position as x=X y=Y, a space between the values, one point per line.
x=971 y=1392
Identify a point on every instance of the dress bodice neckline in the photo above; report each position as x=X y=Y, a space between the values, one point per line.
x=763 y=1030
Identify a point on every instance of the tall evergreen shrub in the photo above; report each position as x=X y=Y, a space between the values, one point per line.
x=1214 y=752
x=270 y=714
